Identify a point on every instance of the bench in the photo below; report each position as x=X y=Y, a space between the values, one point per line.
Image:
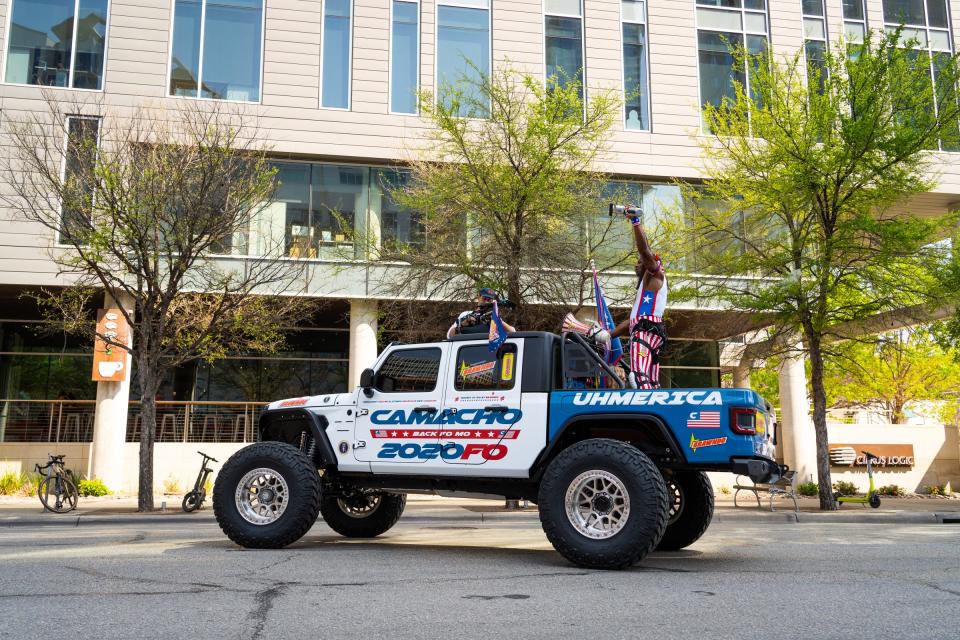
x=785 y=487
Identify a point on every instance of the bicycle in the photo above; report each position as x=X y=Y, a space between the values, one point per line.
x=57 y=484
x=194 y=499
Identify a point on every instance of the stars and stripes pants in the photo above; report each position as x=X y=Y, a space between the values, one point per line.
x=645 y=357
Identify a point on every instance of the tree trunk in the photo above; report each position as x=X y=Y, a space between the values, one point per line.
x=827 y=502
x=149 y=385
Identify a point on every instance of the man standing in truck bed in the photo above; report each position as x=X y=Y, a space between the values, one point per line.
x=645 y=324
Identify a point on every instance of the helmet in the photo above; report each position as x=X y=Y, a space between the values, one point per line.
x=488 y=294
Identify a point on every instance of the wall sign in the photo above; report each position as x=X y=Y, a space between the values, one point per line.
x=109 y=360
x=890 y=455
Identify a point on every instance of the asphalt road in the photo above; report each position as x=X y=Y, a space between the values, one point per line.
x=437 y=577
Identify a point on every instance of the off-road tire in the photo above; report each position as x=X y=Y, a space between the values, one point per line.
x=644 y=486
x=303 y=501
x=695 y=510
x=381 y=519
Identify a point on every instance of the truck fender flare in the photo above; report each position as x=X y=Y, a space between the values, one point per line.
x=540 y=464
x=318 y=429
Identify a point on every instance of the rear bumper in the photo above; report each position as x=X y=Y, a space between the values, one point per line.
x=759 y=469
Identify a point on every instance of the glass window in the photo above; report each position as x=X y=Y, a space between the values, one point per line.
x=463 y=52
x=931 y=41
x=853 y=10
x=78 y=176
x=44 y=48
x=564 y=43
x=216 y=49
x=338 y=194
x=409 y=370
x=290 y=211
x=404 y=57
x=479 y=370
x=635 y=83
x=720 y=31
x=399 y=226
x=904 y=11
x=815 y=42
x=336 y=54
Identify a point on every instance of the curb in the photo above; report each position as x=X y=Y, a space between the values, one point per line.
x=480 y=517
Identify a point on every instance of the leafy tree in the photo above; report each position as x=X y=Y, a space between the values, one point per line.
x=509 y=197
x=802 y=218
x=139 y=217
x=897 y=368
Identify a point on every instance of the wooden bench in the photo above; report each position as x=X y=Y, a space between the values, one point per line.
x=785 y=487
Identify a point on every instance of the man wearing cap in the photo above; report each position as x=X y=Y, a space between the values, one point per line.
x=474 y=321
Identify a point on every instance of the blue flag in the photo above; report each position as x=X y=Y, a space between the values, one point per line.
x=613 y=351
x=498 y=333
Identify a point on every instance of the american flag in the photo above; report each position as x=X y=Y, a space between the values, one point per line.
x=704 y=420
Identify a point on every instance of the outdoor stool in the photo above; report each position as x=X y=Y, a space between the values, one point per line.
x=71 y=425
x=171 y=420
x=240 y=424
x=208 y=420
x=786 y=487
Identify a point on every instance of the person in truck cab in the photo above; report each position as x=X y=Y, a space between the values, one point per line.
x=645 y=324
x=478 y=320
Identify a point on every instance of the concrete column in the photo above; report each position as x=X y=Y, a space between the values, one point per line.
x=110 y=420
x=741 y=377
x=363 y=339
x=797 y=439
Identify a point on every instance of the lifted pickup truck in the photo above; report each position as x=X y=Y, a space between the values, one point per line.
x=616 y=472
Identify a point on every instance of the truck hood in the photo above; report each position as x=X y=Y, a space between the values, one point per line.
x=323 y=400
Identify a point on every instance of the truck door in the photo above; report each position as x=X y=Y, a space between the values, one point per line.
x=399 y=419
x=482 y=408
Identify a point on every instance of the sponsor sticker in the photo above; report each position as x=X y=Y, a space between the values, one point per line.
x=476 y=369
x=506 y=371
x=471 y=434
x=709 y=442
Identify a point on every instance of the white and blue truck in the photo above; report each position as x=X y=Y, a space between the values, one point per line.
x=615 y=472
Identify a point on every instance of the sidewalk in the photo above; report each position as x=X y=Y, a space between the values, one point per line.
x=26 y=511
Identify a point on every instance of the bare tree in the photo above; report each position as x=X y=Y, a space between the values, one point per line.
x=143 y=204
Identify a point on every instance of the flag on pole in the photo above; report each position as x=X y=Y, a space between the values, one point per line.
x=613 y=351
x=498 y=333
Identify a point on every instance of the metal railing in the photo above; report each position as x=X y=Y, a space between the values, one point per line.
x=72 y=421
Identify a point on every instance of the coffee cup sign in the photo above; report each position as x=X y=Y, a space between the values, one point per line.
x=109 y=359
x=888 y=455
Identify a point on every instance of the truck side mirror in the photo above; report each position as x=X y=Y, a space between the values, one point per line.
x=366 y=382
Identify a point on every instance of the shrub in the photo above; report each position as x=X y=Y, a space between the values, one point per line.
x=92 y=487
x=845 y=488
x=936 y=490
x=31 y=480
x=171 y=485
x=11 y=483
x=808 y=489
x=892 y=490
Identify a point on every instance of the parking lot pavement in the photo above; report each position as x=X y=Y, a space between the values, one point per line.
x=432 y=575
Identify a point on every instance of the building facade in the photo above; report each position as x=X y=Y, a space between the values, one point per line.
x=333 y=83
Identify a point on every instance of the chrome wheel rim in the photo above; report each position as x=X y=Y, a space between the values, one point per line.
x=597 y=504
x=361 y=505
x=676 y=502
x=262 y=496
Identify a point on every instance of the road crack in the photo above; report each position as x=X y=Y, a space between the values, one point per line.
x=263 y=600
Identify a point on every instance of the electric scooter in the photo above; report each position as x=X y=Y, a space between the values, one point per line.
x=194 y=500
x=872 y=498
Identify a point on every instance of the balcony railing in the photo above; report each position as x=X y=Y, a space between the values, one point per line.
x=72 y=421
